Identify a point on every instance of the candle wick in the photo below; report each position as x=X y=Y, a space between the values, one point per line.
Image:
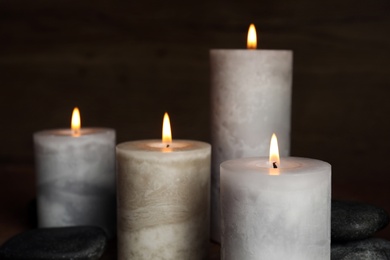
x=274 y=165
x=76 y=132
x=167 y=145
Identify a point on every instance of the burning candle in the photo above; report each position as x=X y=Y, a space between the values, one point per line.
x=250 y=100
x=163 y=198
x=76 y=176
x=275 y=209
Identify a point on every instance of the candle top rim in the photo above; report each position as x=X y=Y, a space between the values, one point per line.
x=67 y=132
x=251 y=50
x=289 y=165
x=156 y=145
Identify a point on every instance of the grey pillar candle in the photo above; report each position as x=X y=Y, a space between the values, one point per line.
x=76 y=178
x=275 y=214
x=250 y=100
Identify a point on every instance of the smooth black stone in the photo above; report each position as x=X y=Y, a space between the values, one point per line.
x=32 y=213
x=76 y=243
x=366 y=249
x=355 y=221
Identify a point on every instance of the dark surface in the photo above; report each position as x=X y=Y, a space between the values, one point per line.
x=354 y=220
x=77 y=243
x=367 y=249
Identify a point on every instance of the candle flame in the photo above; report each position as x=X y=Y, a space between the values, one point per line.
x=166 y=130
x=76 y=122
x=252 y=37
x=274 y=159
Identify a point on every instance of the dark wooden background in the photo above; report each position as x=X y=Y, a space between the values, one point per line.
x=125 y=63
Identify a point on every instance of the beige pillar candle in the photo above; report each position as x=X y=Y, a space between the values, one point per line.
x=163 y=199
x=250 y=100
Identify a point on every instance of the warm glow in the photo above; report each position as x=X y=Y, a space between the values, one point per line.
x=76 y=122
x=252 y=37
x=274 y=159
x=166 y=130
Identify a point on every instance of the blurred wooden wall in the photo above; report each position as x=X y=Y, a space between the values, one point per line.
x=126 y=62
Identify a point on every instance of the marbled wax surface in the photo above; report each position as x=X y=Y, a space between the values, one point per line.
x=76 y=179
x=68 y=203
x=163 y=206
x=276 y=217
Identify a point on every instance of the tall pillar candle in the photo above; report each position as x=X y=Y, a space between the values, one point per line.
x=76 y=177
x=163 y=199
x=250 y=100
x=275 y=214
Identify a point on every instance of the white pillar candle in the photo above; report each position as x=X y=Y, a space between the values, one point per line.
x=250 y=100
x=163 y=199
x=273 y=217
x=76 y=177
